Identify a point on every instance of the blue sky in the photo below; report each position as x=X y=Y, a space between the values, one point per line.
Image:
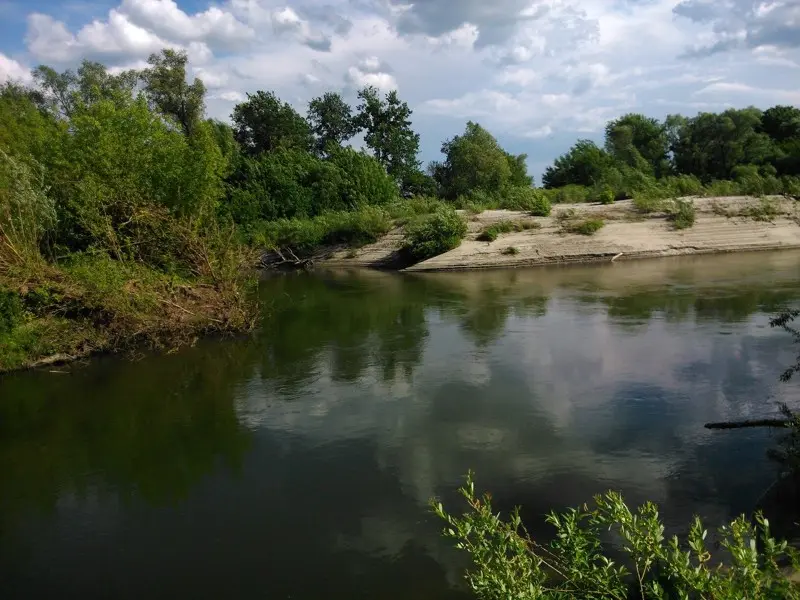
x=539 y=74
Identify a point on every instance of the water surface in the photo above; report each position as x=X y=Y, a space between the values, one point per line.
x=298 y=464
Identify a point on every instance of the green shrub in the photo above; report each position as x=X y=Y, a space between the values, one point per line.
x=304 y=236
x=606 y=196
x=790 y=185
x=527 y=199
x=491 y=232
x=723 y=187
x=10 y=310
x=434 y=234
x=647 y=203
x=569 y=194
x=579 y=564
x=510 y=251
x=765 y=211
x=584 y=227
x=682 y=214
x=681 y=185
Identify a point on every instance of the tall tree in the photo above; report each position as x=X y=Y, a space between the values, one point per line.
x=263 y=123
x=388 y=134
x=584 y=164
x=475 y=161
x=57 y=89
x=332 y=122
x=170 y=93
x=710 y=145
x=638 y=141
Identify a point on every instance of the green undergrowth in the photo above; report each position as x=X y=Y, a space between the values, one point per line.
x=583 y=226
x=682 y=214
x=434 y=234
x=493 y=231
x=92 y=303
x=608 y=549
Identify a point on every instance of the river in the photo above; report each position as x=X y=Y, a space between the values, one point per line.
x=298 y=463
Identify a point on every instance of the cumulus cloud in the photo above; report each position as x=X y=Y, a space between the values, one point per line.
x=744 y=23
x=11 y=70
x=165 y=18
x=287 y=21
x=49 y=39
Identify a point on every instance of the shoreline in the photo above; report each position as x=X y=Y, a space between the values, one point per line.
x=723 y=225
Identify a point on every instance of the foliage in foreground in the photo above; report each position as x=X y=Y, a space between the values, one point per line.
x=577 y=563
x=434 y=234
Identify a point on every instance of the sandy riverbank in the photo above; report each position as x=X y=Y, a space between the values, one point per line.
x=625 y=236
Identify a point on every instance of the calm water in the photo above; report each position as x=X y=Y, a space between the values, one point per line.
x=298 y=464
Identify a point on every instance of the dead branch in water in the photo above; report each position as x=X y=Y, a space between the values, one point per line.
x=748 y=423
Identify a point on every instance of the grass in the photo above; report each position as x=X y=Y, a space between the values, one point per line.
x=493 y=231
x=304 y=236
x=682 y=214
x=93 y=303
x=584 y=227
x=765 y=211
x=648 y=204
x=510 y=251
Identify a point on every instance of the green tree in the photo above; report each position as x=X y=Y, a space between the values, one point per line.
x=388 y=133
x=168 y=91
x=475 y=161
x=639 y=142
x=782 y=125
x=332 y=122
x=263 y=123
x=710 y=145
x=584 y=164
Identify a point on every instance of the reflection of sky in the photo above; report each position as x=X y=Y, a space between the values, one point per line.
x=550 y=384
x=556 y=408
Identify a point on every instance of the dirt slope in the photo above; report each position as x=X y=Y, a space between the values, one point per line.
x=626 y=235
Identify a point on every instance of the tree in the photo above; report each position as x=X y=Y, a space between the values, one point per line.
x=584 y=164
x=57 y=88
x=264 y=124
x=388 y=132
x=475 y=161
x=782 y=125
x=332 y=122
x=710 y=145
x=639 y=142
x=170 y=94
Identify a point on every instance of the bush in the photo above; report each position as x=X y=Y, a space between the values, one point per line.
x=304 y=236
x=585 y=227
x=606 y=196
x=528 y=199
x=10 y=311
x=681 y=185
x=765 y=211
x=510 y=251
x=569 y=194
x=434 y=234
x=491 y=233
x=577 y=564
x=647 y=203
x=682 y=214
x=723 y=187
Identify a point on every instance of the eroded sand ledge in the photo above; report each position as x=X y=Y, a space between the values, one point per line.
x=626 y=235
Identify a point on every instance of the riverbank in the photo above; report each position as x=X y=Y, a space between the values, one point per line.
x=733 y=224
x=92 y=304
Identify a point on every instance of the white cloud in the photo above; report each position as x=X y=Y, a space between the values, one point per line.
x=357 y=77
x=11 y=70
x=165 y=18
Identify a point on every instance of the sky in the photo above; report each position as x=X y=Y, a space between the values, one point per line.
x=539 y=74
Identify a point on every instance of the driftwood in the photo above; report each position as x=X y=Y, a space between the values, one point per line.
x=748 y=423
x=278 y=260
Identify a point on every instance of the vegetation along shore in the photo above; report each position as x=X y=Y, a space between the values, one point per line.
x=128 y=219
